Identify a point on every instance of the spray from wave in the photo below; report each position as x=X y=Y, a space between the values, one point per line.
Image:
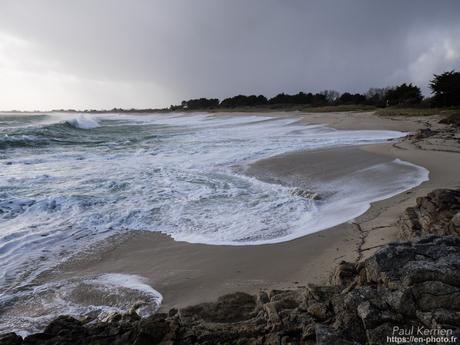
x=83 y=122
x=47 y=131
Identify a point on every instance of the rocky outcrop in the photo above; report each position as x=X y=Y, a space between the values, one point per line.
x=453 y=119
x=306 y=194
x=423 y=133
x=437 y=213
x=403 y=285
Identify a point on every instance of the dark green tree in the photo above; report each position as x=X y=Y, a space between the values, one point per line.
x=446 y=89
x=200 y=103
x=376 y=97
x=404 y=94
x=301 y=98
x=281 y=98
x=348 y=98
x=244 y=101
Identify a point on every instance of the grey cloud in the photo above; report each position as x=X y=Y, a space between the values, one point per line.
x=220 y=47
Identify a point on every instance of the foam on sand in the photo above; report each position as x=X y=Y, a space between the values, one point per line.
x=94 y=296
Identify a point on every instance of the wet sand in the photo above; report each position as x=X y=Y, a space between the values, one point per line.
x=187 y=273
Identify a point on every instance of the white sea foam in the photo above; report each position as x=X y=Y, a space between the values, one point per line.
x=83 y=122
x=97 y=296
x=171 y=174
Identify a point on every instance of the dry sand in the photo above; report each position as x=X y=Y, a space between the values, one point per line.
x=190 y=273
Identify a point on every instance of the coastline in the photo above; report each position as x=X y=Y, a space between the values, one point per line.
x=187 y=274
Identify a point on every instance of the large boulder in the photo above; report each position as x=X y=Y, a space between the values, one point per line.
x=437 y=213
x=423 y=133
x=10 y=339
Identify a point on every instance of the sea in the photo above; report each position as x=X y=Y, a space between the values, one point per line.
x=69 y=181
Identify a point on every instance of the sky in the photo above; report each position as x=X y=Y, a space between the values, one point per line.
x=102 y=54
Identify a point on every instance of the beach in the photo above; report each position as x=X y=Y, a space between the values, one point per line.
x=187 y=273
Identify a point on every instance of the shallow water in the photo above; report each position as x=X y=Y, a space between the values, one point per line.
x=68 y=181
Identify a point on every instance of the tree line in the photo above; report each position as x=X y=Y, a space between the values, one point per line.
x=445 y=90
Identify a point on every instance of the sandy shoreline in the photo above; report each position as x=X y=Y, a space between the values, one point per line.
x=186 y=273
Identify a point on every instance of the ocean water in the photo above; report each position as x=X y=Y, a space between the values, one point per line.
x=68 y=181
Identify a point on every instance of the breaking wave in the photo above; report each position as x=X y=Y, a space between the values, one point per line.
x=83 y=122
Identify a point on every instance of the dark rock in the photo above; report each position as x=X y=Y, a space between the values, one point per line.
x=454 y=225
x=433 y=295
x=63 y=325
x=172 y=312
x=403 y=284
x=437 y=213
x=262 y=298
x=234 y=307
x=400 y=300
x=43 y=338
x=152 y=330
x=10 y=339
x=453 y=119
x=327 y=336
x=374 y=316
x=306 y=194
x=423 y=133
x=319 y=311
x=344 y=274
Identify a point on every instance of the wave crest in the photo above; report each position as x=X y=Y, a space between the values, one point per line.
x=83 y=122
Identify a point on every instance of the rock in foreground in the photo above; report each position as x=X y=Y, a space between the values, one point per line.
x=403 y=285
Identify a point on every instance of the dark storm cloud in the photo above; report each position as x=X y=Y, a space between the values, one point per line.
x=158 y=52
